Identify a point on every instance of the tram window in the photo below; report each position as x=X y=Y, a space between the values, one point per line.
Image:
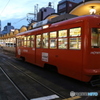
x=53 y=34
x=75 y=31
x=28 y=37
x=53 y=43
x=62 y=33
x=28 y=41
x=32 y=43
x=32 y=37
x=25 y=43
x=95 y=38
x=22 y=42
x=28 y=44
x=18 y=42
x=45 y=40
x=38 y=41
x=75 y=43
x=32 y=40
x=62 y=43
x=25 y=38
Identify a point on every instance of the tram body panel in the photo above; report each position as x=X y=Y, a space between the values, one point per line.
x=80 y=63
x=91 y=58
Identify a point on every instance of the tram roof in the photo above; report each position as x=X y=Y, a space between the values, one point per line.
x=73 y=20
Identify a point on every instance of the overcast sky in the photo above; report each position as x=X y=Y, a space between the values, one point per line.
x=15 y=11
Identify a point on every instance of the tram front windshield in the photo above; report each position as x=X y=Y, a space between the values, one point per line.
x=95 y=38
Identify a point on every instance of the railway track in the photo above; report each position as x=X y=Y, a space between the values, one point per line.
x=18 y=89
x=51 y=90
x=10 y=70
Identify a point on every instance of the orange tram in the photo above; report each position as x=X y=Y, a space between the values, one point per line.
x=71 y=47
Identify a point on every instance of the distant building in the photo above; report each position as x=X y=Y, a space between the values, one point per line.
x=44 y=12
x=7 y=28
x=65 y=6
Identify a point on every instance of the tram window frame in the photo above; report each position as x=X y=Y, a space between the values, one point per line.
x=76 y=44
x=95 y=37
x=32 y=41
x=28 y=37
x=73 y=31
x=53 y=40
x=19 y=41
x=25 y=41
x=38 y=41
x=53 y=34
x=22 y=42
x=28 y=41
x=75 y=34
x=63 y=39
x=45 y=39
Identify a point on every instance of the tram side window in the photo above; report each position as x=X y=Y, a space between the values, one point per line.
x=95 y=38
x=75 y=43
x=32 y=38
x=75 y=38
x=45 y=40
x=53 y=40
x=38 y=41
x=25 y=43
x=62 y=39
x=75 y=31
x=28 y=41
x=22 y=42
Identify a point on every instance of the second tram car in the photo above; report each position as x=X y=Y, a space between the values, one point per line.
x=71 y=47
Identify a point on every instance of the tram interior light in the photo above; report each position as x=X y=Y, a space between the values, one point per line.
x=92 y=10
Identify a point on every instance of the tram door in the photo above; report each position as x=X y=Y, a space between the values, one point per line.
x=38 y=50
x=32 y=50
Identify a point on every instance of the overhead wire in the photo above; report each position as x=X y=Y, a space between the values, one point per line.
x=25 y=17
x=5 y=7
x=19 y=20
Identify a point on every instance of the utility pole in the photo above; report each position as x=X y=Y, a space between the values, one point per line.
x=32 y=17
x=35 y=11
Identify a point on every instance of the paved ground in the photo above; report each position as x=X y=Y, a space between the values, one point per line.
x=8 y=91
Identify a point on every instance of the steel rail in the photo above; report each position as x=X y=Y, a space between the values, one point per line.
x=37 y=81
x=24 y=96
